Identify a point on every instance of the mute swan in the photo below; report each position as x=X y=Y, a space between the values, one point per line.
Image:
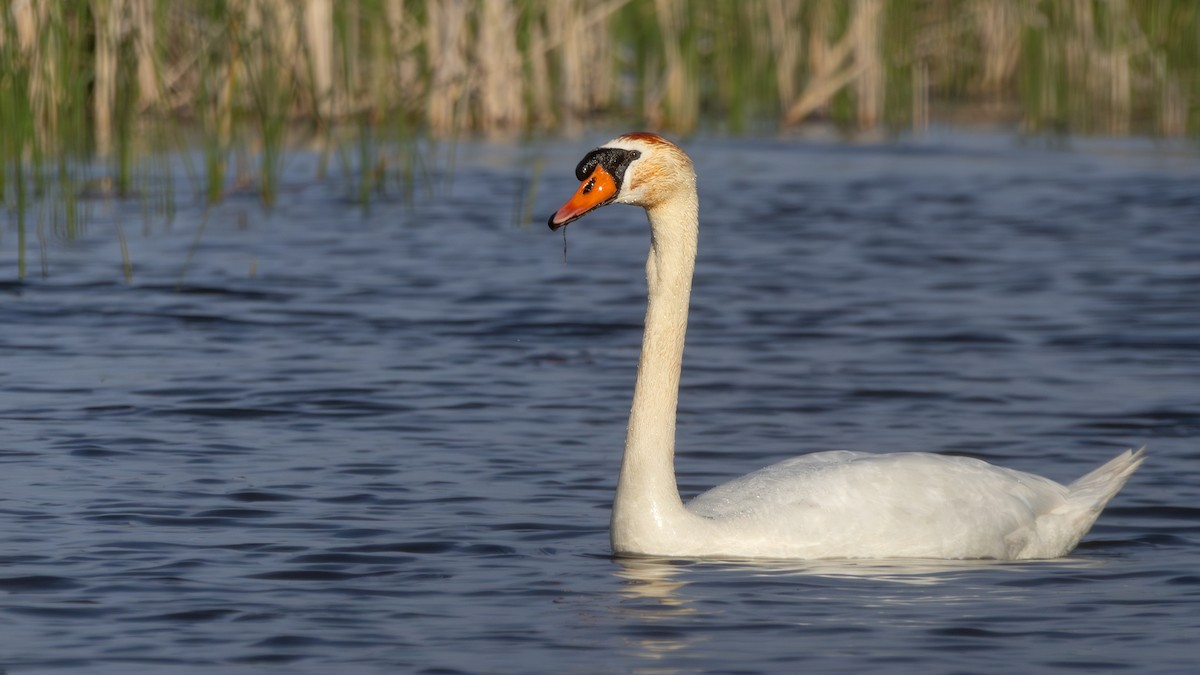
x=823 y=505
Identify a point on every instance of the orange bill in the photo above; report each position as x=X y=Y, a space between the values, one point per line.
x=596 y=190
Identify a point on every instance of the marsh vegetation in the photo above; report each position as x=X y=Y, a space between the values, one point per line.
x=101 y=96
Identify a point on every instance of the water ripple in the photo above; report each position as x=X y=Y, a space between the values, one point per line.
x=392 y=447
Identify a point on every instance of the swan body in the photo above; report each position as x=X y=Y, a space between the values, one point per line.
x=823 y=505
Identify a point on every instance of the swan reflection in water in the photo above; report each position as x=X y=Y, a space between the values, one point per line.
x=650 y=577
x=673 y=602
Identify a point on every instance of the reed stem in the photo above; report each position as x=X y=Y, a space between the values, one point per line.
x=81 y=80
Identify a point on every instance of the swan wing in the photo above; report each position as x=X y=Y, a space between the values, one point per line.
x=856 y=504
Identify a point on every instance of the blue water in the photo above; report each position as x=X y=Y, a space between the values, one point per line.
x=326 y=439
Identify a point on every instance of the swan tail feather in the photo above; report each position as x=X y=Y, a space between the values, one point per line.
x=1096 y=488
x=1088 y=495
x=1060 y=530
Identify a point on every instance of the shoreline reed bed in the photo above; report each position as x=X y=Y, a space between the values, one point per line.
x=525 y=66
x=91 y=91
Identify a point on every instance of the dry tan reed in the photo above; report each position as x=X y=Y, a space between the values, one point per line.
x=509 y=66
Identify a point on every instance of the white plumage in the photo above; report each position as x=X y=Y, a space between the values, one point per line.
x=824 y=505
x=912 y=505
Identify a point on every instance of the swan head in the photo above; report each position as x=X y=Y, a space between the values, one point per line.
x=641 y=169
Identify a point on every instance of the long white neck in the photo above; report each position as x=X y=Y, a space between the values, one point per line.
x=647 y=504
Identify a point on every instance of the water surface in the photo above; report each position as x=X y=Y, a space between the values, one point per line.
x=386 y=441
